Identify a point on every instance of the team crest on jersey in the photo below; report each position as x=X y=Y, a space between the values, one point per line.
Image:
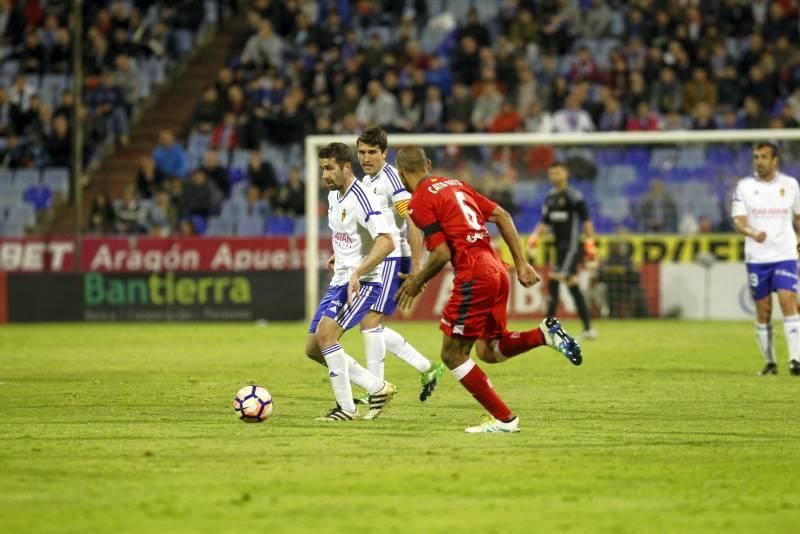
x=344 y=215
x=375 y=190
x=561 y=201
x=782 y=191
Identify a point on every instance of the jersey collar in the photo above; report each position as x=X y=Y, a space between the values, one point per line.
x=374 y=176
x=352 y=185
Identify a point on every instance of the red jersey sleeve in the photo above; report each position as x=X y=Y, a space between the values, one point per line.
x=424 y=216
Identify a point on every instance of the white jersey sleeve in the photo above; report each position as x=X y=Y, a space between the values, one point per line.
x=391 y=194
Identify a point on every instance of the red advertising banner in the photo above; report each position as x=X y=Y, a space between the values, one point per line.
x=134 y=254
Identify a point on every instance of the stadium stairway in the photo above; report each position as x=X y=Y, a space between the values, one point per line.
x=171 y=108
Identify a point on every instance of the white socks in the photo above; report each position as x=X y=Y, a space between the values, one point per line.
x=362 y=377
x=463 y=370
x=791 y=329
x=375 y=350
x=336 y=359
x=403 y=350
x=765 y=341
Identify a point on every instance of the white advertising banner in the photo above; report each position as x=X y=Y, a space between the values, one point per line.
x=718 y=292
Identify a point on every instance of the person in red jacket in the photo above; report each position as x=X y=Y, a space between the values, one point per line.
x=452 y=217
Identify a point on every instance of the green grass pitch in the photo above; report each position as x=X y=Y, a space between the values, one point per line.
x=129 y=428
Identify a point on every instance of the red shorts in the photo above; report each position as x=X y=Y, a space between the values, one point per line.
x=477 y=308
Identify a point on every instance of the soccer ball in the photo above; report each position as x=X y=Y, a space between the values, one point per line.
x=253 y=404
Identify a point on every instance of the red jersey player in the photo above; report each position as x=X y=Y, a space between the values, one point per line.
x=452 y=217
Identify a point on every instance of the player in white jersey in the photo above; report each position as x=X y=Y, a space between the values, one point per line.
x=765 y=208
x=382 y=180
x=362 y=238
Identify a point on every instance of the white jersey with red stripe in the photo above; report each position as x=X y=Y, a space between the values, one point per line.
x=770 y=207
x=392 y=198
x=355 y=220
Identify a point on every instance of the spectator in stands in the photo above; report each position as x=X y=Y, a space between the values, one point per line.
x=699 y=89
x=597 y=20
x=126 y=78
x=476 y=29
x=643 y=120
x=162 y=214
x=262 y=175
x=584 y=68
x=409 y=113
x=613 y=117
x=16 y=154
x=703 y=117
x=199 y=196
x=32 y=57
x=345 y=102
x=59 y=143
x=169 y=156
x=761 y=88
x=97 y=57
x=667 y=94
x=226 y=134
x=207 y=113
x=149 y=179
x=377 y=107
x=217 y=174
x=265 y=48
x=131 y=216
x=433 y=110
x=508 y=120
x=523 y=29
x=729 y=87
x=573 y=118
x=291 y=197
x=106 y=101
x=657 y=211
x=102 y=219
x=465 y=63
x=538 y=119
x=9 y=114
x=21 y=92
x=349 y=125
x=59 y=55
x=458 y=110
x=255 y=205
x=752 y=115
x=487 y=106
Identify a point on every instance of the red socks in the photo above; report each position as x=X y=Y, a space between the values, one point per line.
x=477 y=383
x=513 y=343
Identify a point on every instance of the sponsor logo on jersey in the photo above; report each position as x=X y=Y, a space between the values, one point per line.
x=477 y=236
x=343 y=240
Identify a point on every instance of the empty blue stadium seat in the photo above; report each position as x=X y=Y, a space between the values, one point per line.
x=200 y=224
x=25 y=178
x=219 y=226
x=23 y=214
x=57 y=179
x=249 y=226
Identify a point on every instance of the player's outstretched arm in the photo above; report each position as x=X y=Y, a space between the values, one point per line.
x=741 y=226
x=526 y=274
x=413 y=283
x=381 y=247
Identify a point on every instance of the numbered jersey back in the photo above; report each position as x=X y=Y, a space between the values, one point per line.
x=449 y=211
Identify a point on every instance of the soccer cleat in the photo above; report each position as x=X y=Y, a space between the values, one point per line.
x=379 y=400
x=490 y=424
x=338 y=414
x=794 y=367
x=770 y=369
x=430 y=379
x=363 y=399
x=559 y=340
x=589 y=335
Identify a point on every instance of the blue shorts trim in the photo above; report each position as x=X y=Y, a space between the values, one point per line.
x=765 y=278
x=392 y=267
x=334 y=305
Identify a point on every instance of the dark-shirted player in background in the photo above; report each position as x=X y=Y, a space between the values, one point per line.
x=452 y=217
x=565 y=214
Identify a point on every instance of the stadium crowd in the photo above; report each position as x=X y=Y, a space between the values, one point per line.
x=546 y=66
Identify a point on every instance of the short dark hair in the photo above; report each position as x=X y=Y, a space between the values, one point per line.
x=558 y=163
x=412 y=158
x=770 y=145
x=374 y=136
x=339 y=152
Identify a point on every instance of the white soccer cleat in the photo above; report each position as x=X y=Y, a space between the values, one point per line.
x=490 y=424
x=337 y=414
x=379 y=400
